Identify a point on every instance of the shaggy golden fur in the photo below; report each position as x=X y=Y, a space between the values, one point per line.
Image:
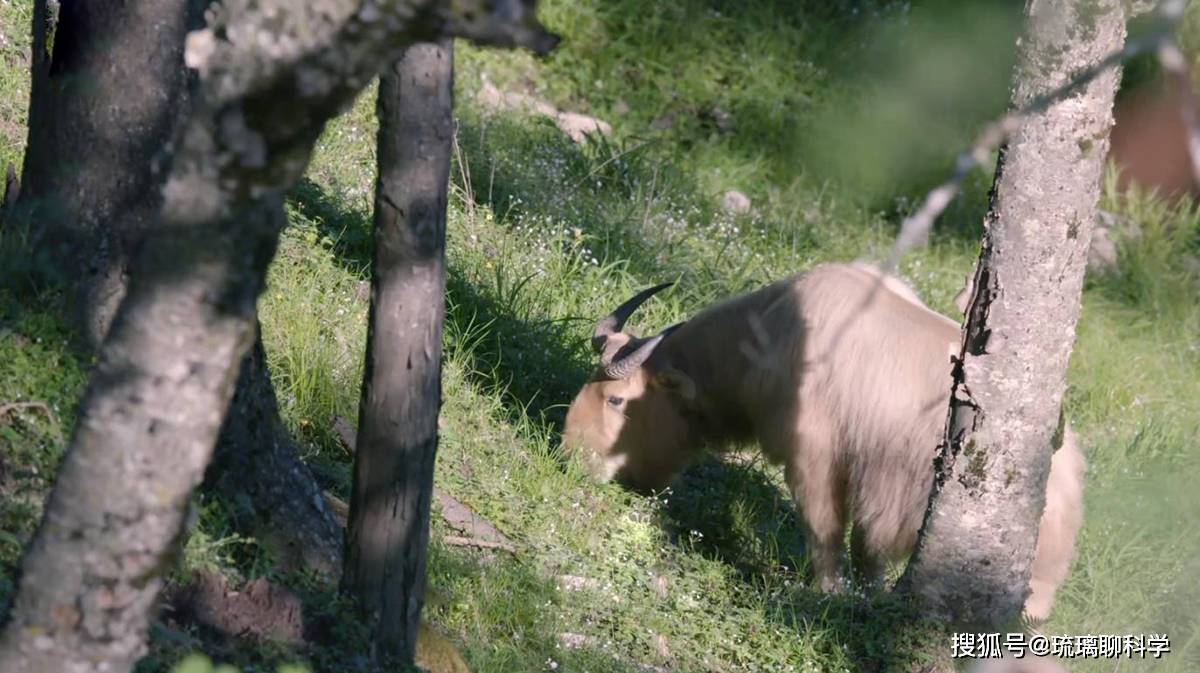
x=842 y=376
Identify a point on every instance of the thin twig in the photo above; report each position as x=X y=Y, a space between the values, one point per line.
x=460 y=541
x=915 y=228
x=339 y=507
x=10 y=407
x=464 y=171
x=650 y=199
x=16 y=407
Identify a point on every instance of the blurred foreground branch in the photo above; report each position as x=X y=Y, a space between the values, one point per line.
x=914 y=231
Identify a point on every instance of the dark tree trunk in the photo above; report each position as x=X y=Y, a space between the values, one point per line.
x=258 y=466
x=105 y=107
x=973 y=558
x=402 y=392
x=108 y=94
x=157 y=398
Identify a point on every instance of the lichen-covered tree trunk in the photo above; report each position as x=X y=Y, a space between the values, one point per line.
x=973 y=558
x=145 y=431
x=272 y=73
x=401 y=396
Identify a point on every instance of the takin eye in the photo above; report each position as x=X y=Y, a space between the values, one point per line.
x=615 y=401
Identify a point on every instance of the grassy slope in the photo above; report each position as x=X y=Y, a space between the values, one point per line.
x=546 y=236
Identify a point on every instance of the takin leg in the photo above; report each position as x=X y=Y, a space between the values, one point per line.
x=818 y=484
x=1059 y=527
x=890 y=490
x=867 y=565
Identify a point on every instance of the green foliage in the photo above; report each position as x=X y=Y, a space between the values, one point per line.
x=917 y=95
x=40 y=383
x=198 y=663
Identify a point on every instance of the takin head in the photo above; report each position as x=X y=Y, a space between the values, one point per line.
x=629 y=422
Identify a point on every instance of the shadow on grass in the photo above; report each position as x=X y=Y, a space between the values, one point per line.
x=611 y=191
x=877 y=633
x=741 y=76
x=739 y=512
x=736 y=512
x=484 y=597
x=507 y=595
x=529 y=360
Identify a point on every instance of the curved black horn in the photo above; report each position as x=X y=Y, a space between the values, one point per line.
x=613 y=322
x=667 y=332
x=623 y=367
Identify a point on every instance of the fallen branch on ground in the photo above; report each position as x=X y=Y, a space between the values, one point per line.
x=459 y=541
x=490 y=538
x=17 y=407
x=9 y=407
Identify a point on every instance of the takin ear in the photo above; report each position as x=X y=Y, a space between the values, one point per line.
x=675 y=382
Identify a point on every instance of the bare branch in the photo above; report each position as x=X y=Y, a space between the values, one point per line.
x=460 y=541
x=10 y=407
x=915 y=229
x=18 y=407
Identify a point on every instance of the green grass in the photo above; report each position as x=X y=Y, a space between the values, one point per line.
x=15 y=17
x=546 y=236
x=40 y=381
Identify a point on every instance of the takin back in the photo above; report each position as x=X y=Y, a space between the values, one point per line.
x=842 y=376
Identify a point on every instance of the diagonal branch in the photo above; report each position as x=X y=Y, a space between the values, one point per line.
x=915 y=229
